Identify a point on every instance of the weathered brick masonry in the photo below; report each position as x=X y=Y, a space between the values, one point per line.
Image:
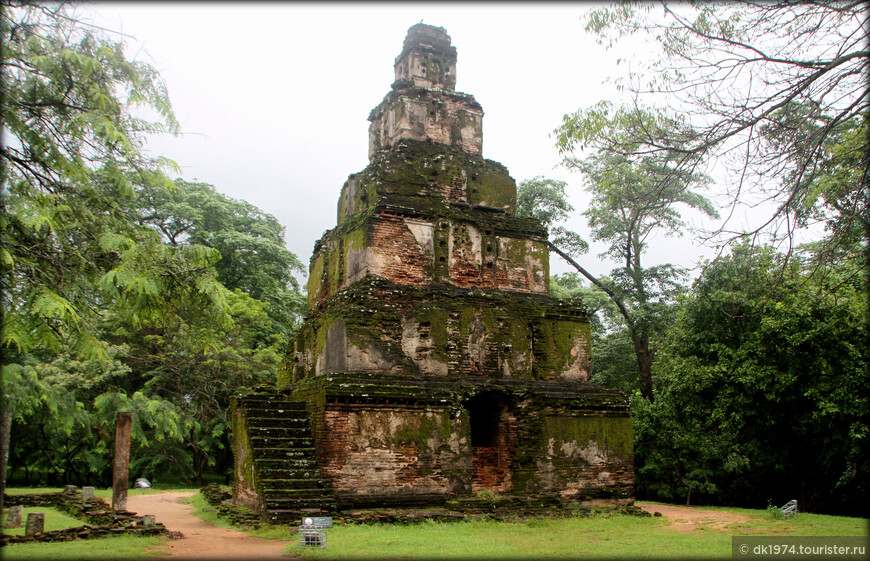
x=432 y=363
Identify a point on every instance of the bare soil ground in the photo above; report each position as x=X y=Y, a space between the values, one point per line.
x=201 y=540
x=689 y=519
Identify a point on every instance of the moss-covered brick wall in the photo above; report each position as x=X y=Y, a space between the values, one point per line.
x=246 y=489
x=409 y=452
x=401 y=439
x=587 y=456
x=313 y=394
x=561 y=346
x=442 y=330
x=422 y=213
x=410 y=250
x=425 y=177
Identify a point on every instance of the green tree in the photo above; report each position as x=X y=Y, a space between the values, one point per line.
x=71 y=256
x=546 y=200
x=834 y=194
x=613 y=363
x=63 y=431
x=186 y=357
x=253 y=256
x=766 y=86
x=71 y=142
x=632 y=198
x=763 y=392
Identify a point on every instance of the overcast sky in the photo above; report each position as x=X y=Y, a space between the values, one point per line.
x=273 y=98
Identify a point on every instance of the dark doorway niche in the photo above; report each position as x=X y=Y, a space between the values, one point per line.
x=484 y=410
x=493 y=425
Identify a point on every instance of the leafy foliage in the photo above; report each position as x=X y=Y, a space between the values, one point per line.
x=191 y=362
x=103 y=308
x=765 y=86
x=546 y=200
x=763 y=390
x=634 y=196
x=71 y=143
x=250 y=243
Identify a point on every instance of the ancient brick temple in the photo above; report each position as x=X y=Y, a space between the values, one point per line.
x=433 y=363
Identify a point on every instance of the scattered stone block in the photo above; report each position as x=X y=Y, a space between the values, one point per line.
x=69 y=489
x=148 y=520
x=35 y=524
x=13 y=519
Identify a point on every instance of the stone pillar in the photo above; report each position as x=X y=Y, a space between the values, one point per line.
x=13 y=519
x=148 y=520
x=69 y=489
x=35 y=524
x=87 y=493
x=121 y=466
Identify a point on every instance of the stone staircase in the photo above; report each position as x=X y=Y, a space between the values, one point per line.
x=285 y=460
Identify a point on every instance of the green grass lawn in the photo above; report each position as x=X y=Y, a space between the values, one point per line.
x=110 y=548
x=614 y=537
x=54 y=520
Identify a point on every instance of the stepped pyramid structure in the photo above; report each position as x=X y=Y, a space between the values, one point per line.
x=433 y=363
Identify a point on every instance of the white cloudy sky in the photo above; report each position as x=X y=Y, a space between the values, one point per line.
x=274 y=97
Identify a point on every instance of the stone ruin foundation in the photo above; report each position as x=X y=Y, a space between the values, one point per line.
x=432 y=363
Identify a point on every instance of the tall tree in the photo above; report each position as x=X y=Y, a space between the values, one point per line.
x=253 y=256
x=73 y=137
x=71 y=140
x=763 y=392
x=188 y=358
x=632 y=198
x=766 y=85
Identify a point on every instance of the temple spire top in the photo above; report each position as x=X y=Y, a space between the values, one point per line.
x=428 y=60
x=423 y=103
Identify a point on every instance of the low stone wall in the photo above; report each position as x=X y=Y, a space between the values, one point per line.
x=494 y=507
x=94 y=511
x=102 y=520
x=222 y=502
x=84 y=532
x=485 y=506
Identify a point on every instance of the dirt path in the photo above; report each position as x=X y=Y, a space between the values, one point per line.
x=688 y=519
x=201 y=539
x=206 y=541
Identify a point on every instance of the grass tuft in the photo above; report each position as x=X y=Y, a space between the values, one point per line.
x=113 y=548
x=54 y=520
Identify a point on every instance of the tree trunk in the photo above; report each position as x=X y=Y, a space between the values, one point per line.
x=644 y=364
x=5 y=433
x=197 y=459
